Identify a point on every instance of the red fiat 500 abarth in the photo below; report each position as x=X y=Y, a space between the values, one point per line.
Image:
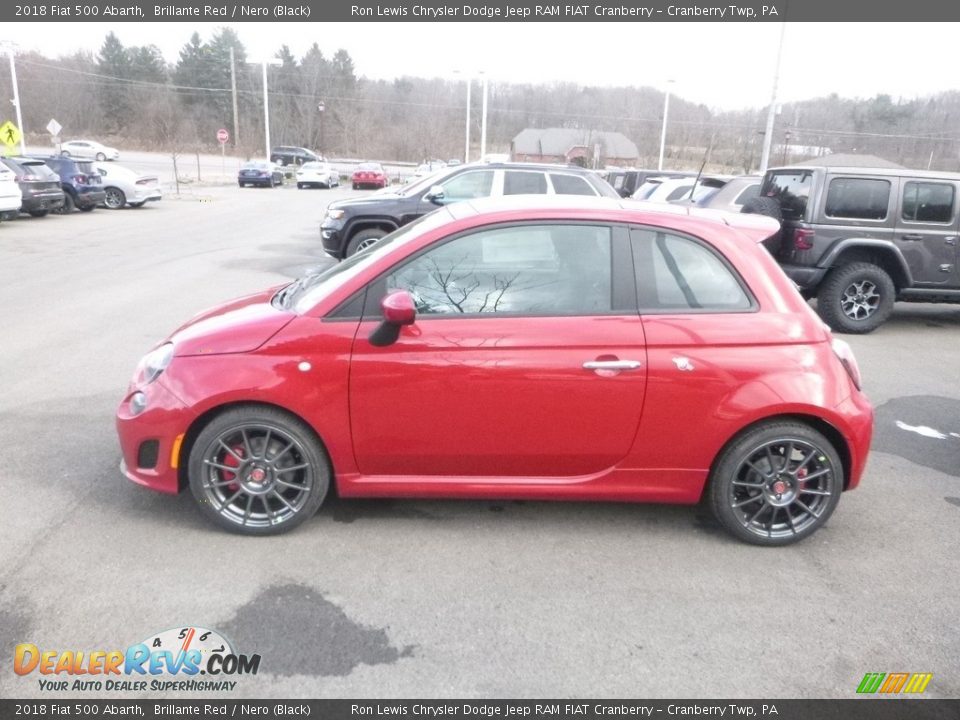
x=555 y=348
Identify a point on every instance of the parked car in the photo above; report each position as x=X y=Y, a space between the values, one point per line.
x=353 y=225
x=527 y=348
x=39 y=185
x=687 y=190
x=123 y=186
x=734 y=194
x=258 y=172
x=290 y=155
x=427 y=168
x=859 y=238
x=89 y=149
x=370 y=175
x=627 y=182
x=317 y=174
x=10 y=195
x=81 y=183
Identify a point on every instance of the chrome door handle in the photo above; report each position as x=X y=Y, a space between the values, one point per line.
x=612 y=365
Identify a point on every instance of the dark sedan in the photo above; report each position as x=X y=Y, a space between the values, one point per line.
x=259 y=173
x=39 y=184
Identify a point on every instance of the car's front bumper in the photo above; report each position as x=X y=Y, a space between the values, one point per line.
x=151 y=441
x=332 y=239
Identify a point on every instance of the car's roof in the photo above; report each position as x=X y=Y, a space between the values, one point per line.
x=856 y=170
x=614 y=209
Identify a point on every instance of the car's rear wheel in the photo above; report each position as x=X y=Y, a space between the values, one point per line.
x=364 y=239
x=87 y=208
x=776 y=484
x=39 y=213
x=65 y=153
x=258 y=471
x=115 y=198
x=856 y=298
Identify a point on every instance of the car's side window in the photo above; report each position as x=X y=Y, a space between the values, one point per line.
x=555 y=270
x=468 y=185
x=573 y=185
x=678 y=274
x=858 y=198
x=524 y=182
x=927 y=202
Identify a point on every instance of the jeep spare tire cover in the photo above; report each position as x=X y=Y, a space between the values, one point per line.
x=763 y=206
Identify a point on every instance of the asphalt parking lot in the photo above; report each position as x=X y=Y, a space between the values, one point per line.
x=437 y=598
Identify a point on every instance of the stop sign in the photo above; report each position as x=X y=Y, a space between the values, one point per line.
x=222 y=136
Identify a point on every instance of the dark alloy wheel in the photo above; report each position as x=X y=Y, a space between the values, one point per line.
x=776 y=484
x=258 y=471
x=364 y=239
x=115 y=199
x=856 y=298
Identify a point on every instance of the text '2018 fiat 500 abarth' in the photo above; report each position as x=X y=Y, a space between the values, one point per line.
x=554 y=348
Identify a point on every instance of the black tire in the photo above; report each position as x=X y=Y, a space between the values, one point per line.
x=760 y=475
x=356 y=186
x=300 y=186
x=241 y=184
x=114 y=198
x=362 y=239
x=856 y=298
x=239 y=438
x=101 y=157
x=87 y=208
x=69 y=205
x=763 y=206
x=39 y=213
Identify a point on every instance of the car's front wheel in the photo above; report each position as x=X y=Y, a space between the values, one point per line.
x=115 y=198
x=776 y=484
x=101 y=157
x=258 y=471
x=856 y=298
x=364 y=239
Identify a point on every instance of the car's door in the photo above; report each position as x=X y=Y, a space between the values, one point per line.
x=527 y=358
x=926 y=231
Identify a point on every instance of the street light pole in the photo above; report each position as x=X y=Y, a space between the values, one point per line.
x=16 y=95
x=663 y=129
x=266 y=102
x=466 y=140
x=483 y=122
x=768 y=136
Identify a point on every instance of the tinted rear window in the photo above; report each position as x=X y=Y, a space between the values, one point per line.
x=792 y=189
x=858 y=198
x=572 y=185
x=524 y=183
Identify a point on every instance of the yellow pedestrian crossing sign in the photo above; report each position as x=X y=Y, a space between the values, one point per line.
x=9 y=134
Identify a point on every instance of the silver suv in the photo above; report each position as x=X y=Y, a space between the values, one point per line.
x=859 y=238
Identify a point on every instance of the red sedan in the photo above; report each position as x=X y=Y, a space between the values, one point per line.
x=369 y=175
x=579 y=349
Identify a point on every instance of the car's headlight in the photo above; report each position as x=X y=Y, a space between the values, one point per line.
x=154 y=363
x=335 y=214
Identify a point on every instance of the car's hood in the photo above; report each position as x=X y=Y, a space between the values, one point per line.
x=237 y=326
x=379 y=198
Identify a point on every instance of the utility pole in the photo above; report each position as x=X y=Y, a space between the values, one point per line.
x=233 y=88
x=466 y=143
x=663 y=128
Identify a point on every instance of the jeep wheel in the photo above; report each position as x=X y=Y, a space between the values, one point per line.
x=763 y=206
x=856 y=298
x=364 y=239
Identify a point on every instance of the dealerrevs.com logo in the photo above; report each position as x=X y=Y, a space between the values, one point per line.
x=180 y=659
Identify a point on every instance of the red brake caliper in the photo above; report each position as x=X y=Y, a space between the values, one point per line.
x=231 y=461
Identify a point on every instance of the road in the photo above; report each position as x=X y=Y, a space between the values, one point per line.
x=436 y=598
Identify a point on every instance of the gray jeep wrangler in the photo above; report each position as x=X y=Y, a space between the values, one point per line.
x=859 y=238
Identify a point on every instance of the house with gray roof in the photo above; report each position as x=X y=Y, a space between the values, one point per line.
x=589 y=148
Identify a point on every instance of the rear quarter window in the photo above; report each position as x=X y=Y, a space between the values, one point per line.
x=857 y=198
x=792 y=189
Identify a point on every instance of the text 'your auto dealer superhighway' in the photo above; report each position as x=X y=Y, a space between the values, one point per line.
x=509 y=11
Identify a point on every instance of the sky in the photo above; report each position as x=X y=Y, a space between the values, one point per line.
x=722 y=65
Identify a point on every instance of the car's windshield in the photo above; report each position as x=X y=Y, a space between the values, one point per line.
x=313 y=166
x=304 y=293
x=255 y=165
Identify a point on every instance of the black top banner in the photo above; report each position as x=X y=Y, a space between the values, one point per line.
x=479 y=11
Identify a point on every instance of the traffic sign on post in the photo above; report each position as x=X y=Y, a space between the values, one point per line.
x=53 y=127
x=9 y=135
x=223 y=136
